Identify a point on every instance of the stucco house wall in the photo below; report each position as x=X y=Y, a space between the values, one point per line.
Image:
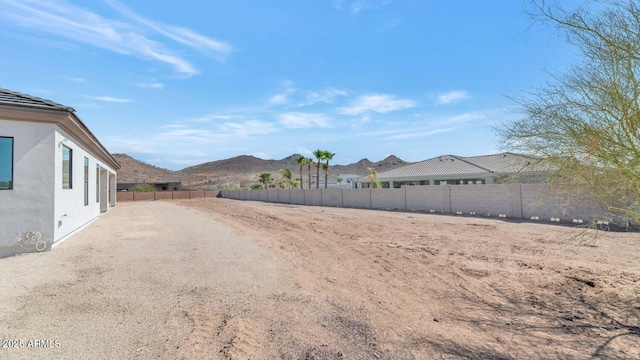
x=39 y=130
x=30 y=204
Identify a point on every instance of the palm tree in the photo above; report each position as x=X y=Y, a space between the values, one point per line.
x=327 y=156
x=309 y=162
x=265 y=179
x=300 y=160
x=339 y=180
x=319 y=154
x=373 y=176
x=286 y=175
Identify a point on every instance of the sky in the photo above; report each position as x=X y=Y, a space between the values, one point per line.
x=176 y=84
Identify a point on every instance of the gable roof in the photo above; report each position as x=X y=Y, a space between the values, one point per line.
x=452 y=165
x=23 y=107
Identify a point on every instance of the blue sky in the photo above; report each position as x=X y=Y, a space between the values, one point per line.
x=176 y=83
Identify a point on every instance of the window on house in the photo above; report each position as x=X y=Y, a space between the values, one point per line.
x=6 y=163
x=67 y=168
x=97 y=183
x=86 y=181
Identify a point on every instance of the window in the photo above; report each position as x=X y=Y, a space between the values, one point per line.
x=67 y=168
x=97 y=183
x=6 y=163
x=86 y=181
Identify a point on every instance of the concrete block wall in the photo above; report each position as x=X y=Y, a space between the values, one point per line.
x=273 y=195
x=357 y=198
x=297 y=196
x=332 y=197
x=169 y=195
x=313 y=197
x=284 y=196
x=388 y=199
x=511 y=200
x=164 y=195
x=492 y=199
x=427 y=197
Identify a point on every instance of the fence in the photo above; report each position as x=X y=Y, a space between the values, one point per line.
x=165 y=195
x=519 y=201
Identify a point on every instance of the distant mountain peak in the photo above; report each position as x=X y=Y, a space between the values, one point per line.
x=231 y=171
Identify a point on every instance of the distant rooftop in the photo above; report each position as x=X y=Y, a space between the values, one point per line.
x=8 y=97
x=447 y=165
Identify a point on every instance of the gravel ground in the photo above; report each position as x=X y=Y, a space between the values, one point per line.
x=224 y=279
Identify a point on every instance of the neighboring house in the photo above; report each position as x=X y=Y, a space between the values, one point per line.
x=458 y=170
x=160 y=186
x=55 y=176
x=348 y=180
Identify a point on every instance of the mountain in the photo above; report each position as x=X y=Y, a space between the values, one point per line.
x=232 y=171
x=135 y=171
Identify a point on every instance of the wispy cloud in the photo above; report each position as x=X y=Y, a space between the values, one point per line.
x=217 y=49
x=360 y=5
x=129 y=38
x=463 y=118
x=152 y=85
x=129 y=144
x=327 y=96
x=246 y=128
x=296 y=120
x=451 y=96
x=278 y=99
x=74 y=79
x=380 y=103
x=419 y=134
x=111 y=99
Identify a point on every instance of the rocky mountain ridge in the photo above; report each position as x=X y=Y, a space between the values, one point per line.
x=233 y=171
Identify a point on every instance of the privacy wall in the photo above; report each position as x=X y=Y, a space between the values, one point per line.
x=519 y=201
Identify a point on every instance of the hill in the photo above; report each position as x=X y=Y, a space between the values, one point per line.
x=232 y=171
x=247 y=168
x=136 y=171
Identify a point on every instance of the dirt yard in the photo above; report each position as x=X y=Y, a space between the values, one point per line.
x=224 y=279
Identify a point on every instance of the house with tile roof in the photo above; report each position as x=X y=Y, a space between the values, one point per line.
x=459 y=170
x=55 y=176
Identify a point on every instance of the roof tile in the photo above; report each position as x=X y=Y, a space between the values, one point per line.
x=8 y=97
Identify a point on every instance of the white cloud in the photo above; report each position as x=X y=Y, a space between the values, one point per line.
x=262 y=155
x=187 y=37
x=183 y=134
x=304 y=151
x=246 y=128
x=304 y=120
x=132 y=144
x=152 y=85
x=380 y=103
x=360 y=5
x=463 y=118
x=451 y=96
x=279 y=99
x=326 y=96
x=111 y=99
x=414 y=134
x=128 y=38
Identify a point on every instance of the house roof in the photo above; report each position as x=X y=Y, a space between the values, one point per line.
x=452 y=165
x=18 y=106
x=9 y=97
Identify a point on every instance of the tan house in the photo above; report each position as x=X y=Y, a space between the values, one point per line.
x=459 y=170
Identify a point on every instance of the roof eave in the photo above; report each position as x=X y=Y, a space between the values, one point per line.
x=67 y=120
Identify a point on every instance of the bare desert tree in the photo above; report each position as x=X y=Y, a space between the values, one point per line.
x=585 y=123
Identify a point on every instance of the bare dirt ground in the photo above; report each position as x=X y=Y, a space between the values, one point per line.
x=224 y=279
